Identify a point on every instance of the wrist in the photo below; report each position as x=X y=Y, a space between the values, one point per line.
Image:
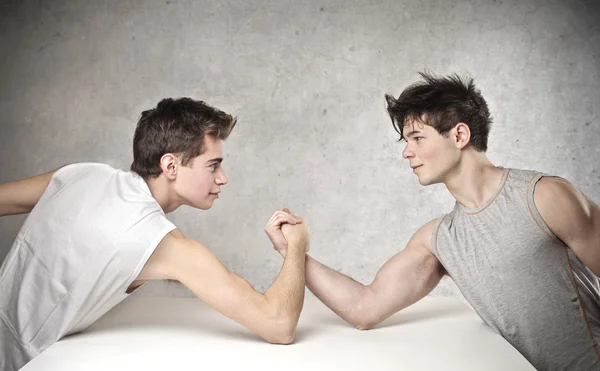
x=298 y=244
x=281 y=246
x=281 y=249
x=296 y=249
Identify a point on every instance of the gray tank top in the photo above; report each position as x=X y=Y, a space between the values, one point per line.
x=521 y=279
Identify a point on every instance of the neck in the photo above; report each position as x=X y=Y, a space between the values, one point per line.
x=474 y=180
x=160 y=189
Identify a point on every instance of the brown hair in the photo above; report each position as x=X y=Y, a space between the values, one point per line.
x=176 y=126
x=442 y=103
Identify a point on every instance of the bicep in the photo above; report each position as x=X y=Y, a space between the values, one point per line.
x=407 y=277
x=204 y=274
x=196 y=267
x=572 y=217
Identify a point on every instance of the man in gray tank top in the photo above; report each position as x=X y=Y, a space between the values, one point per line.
x=523 y=247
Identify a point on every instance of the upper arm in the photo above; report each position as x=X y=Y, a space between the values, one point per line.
x=407 y=277
x=20 y=196
x=572 y=217
x=194 y=265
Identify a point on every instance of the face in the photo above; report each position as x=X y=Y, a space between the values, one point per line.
x=431 y=155
x=199 y=182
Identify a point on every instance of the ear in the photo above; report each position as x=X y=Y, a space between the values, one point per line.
x=462 y=135
x=169 y=163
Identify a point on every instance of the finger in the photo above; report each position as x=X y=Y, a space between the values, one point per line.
x=288 y=220
x=283 y=214
x=284 y=219
x=272 y=219
x=286 y=210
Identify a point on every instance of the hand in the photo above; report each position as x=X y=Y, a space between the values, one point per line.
x=273 y=228
x=297 y=234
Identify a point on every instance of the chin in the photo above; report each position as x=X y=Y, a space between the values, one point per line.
x=424 y=182
x=204 y=205
x=427 y=181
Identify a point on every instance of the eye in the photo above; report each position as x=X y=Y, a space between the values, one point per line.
x=418 y=138
x=214 y=166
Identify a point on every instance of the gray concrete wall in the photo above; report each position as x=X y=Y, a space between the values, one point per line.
x=306 y=80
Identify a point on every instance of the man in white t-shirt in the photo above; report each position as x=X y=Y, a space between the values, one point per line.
x=94 y=234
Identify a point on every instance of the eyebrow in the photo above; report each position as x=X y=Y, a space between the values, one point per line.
x=217 y=159
x=412 y=133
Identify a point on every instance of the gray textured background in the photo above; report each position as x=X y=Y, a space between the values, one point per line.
x=306 y=80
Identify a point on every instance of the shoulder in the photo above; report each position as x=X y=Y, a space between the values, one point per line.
x=561 y=204
x=174 y=244
x=423 y=236
x=420 y=246
x=81 y=168
x=554 y=193
x=181 y=251
x=78 y=166
x=174 y=253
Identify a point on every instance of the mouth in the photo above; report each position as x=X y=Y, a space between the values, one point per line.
x=416 y=167
x=216 y=194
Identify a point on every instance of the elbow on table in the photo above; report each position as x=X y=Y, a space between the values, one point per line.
x=364 y=320
x=283 y=332
x=365 y=324
x=283 y=337
x=279 y=324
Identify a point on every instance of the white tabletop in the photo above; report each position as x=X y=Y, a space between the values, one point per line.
x=184 y=334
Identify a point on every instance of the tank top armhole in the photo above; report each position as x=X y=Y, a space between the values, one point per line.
x=167 y=227
x=535 y=214
x=434 y=241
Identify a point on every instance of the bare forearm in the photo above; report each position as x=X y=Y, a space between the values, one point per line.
x=342 y=294
x=287 y=291
x=21 y=196
x=14 y=199
x=7 y=208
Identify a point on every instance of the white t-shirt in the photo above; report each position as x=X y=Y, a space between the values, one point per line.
x=81 y=247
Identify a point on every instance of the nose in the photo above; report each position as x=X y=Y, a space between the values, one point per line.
x=407 y=153
x=221 y=178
